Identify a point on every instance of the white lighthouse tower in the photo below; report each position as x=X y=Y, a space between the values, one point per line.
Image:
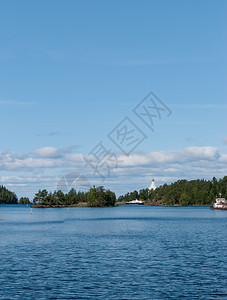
x=152 y=186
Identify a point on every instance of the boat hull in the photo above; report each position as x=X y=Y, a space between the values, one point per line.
x=218 y=208
x=134 y=203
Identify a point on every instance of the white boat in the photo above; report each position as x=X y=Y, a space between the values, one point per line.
x=220 y=204
x=135 y=202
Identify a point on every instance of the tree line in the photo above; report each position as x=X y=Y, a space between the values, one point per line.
x=181 y=192
x=7 y=197
x=95 y=197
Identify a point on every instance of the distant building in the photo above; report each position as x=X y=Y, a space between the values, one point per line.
x=152 y=186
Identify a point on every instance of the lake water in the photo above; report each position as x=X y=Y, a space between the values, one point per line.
x=125 y=252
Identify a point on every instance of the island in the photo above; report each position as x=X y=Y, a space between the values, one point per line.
x=95 y=197
x=198 y=192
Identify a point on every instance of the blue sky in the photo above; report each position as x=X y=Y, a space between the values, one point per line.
x=71 y=71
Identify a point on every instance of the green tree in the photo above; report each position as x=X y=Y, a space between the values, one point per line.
x=110 y=198
x=72 y=197
x=24 y=200
x=40 y=197
x=7 y=197
x=98 y=197
x=184 y=199
x=183 y=192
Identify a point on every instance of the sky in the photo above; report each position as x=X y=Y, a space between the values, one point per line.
x=111 y=93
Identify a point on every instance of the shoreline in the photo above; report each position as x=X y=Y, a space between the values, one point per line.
x=80 y=204
x=84 y=204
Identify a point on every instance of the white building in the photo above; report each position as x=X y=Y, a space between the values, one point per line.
x=152 y=186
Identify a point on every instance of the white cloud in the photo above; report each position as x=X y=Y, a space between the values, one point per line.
x=223 y=159
x=43 y=168
x=45 y=157
x=189 y=154
x=52 y=157
x=53 y=152
x=46 y=152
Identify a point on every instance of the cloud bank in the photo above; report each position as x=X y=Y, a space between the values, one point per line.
x=43 y=168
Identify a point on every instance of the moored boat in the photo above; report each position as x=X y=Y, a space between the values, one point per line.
x=220 y=204
x=135 y=202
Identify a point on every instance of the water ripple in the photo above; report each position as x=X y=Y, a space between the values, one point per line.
x=118 y=253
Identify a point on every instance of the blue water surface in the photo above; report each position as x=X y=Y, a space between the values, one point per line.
x=125 y=252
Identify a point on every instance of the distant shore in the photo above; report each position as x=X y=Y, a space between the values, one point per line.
x=84 y=204
x=80 y=204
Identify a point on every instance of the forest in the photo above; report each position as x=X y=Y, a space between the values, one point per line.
x=181 y=193
x=95 y=197
x=7 y=197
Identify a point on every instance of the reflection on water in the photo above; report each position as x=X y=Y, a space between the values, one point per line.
x=125 y=252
